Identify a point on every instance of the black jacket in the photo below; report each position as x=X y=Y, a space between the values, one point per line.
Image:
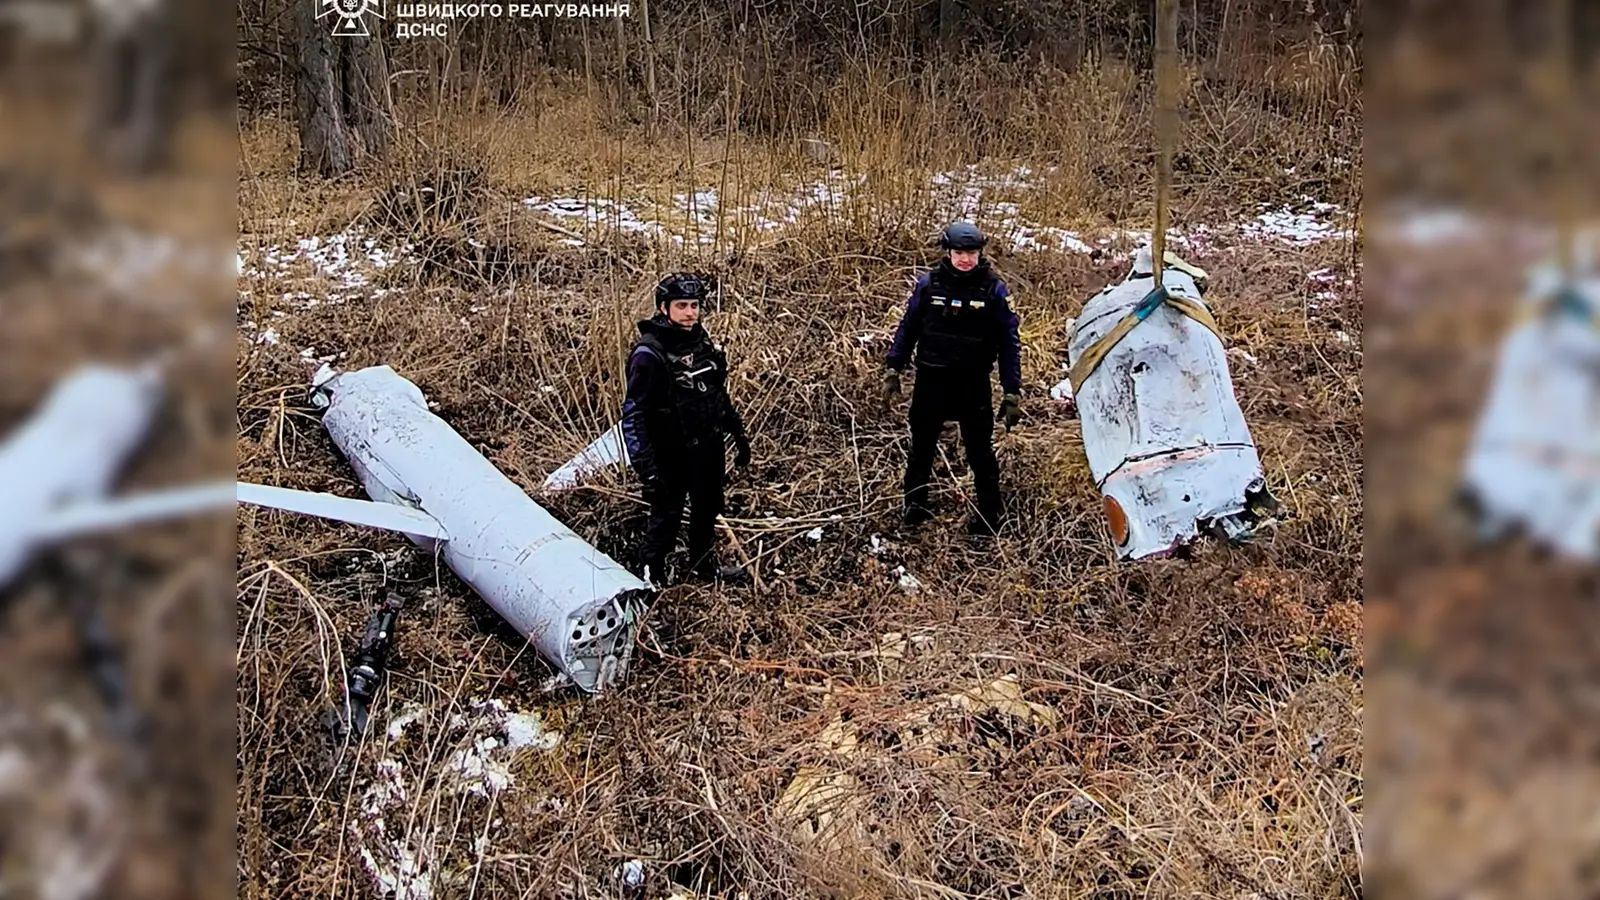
x=960 y=322
x=677 y=400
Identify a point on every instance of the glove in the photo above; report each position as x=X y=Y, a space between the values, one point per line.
x=741 y=459
x=891 y=384
x=1011 y=410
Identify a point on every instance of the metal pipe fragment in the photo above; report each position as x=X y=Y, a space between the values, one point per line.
x=574 y=603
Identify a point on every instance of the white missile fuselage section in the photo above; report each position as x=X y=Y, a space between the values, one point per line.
x=1533 y=464
x=57 y=468
x=575 y=604
x=1166 y=441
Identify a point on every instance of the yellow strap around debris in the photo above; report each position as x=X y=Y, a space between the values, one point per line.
x=1091 y=358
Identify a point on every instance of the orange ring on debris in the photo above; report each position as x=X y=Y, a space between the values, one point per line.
x=1117 y=519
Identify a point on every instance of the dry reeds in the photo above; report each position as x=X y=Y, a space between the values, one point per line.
x=1202 y=726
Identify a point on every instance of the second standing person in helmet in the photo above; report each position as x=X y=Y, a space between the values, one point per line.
x=959 y=323
x=675 y=421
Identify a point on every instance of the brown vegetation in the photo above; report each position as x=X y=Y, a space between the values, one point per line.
x=1036 y=720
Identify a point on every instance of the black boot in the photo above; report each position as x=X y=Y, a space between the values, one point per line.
x=915 y=514
x=916 y=509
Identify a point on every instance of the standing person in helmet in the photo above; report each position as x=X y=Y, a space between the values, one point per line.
x=959 y=322
x=675 y=421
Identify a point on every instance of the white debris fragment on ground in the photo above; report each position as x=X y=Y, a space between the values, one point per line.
x=403 y=861
x=1241 y=353
x=1062 y=392
x=815 y=534
x=907 y=581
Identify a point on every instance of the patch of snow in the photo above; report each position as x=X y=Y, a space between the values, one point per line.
x=631 y=874
x=1299 y=229
x=397 y=725
x=1437 y=226
x=401 y=862
x=477 y=769
x=527 y=730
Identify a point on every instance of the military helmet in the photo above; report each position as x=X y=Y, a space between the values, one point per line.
x=962 y=236
x=680 y=286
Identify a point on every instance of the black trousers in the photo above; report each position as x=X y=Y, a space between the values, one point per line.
x=695 y=475
x=941 y=396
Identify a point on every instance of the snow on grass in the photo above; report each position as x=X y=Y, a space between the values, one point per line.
x=400 y=857
x=347 y=262
x=348 y=259
x=1297 y=228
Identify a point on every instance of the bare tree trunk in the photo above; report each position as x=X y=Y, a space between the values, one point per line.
x=134 y=84
x=624 y=108
x=650 y=69
x=345 y=106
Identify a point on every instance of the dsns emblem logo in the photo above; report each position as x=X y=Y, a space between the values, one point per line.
x=349 y=15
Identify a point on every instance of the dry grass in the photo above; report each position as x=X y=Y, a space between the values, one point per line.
x=78 y=816
x=1196 y=725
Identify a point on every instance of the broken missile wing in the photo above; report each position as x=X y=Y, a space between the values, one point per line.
x=71 y=451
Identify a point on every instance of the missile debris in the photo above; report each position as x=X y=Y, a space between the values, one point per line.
x=388 y=516
x=134 y=509
x=1532 y=461
x=366 y=669
x=605 y=451
x=575 y=604
x=69 y=452
x=57 y=467
x=1165 y=438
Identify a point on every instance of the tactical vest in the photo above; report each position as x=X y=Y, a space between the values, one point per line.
x=695 y=395
x=960 y=329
